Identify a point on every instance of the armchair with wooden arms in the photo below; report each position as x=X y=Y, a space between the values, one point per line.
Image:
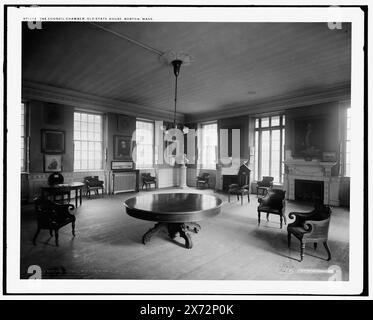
x=53 y=216
x=273 y=203
x=243 y=186
x=264 y=185
x=311 y=227
x=148 y=180
x=93 y=184
x=203 y=179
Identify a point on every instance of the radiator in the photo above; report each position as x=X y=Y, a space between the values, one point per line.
x=124 y=182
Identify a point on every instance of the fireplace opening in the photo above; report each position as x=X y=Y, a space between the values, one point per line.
x=309 y=190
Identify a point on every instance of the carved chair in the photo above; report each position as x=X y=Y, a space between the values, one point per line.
x=57 y=179
x=203 y=180
x=53 y=216
x=148 y=180
x=241 y=188
x=93 y=184
x=311 y=227
x=273 y=203
x=264 y=185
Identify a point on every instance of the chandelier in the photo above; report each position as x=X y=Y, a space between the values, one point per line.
x=176 y=59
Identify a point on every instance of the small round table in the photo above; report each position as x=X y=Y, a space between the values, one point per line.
x=176 y=213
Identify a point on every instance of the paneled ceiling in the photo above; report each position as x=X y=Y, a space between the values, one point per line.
x=235 y=64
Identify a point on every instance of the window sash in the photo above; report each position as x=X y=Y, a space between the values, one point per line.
x=209 y=144
x=88 y=141
x=145 y=141
x=269 y=147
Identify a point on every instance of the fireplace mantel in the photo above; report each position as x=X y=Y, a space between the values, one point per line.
x=313 y=167
x=315 y=170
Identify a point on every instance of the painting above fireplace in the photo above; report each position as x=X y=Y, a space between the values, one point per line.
x=309 y=137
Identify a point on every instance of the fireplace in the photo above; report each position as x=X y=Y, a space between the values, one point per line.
x=309 y=190
x=317 y=175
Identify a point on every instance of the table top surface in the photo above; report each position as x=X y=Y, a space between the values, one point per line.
x=173 y=206
x=65 y=185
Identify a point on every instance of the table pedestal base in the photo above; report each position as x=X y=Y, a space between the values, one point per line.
x=174 y=229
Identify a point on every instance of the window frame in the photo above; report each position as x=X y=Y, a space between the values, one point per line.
x=343 y=154
x=152 y=165
x=102 y=141
x=25 y=167
x=202 y=163
x=258 y=149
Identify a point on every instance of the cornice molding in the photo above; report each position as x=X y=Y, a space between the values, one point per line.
x=332 y=94
x=47 y=93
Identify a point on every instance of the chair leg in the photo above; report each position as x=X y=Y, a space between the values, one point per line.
x=267 y=216
x=35 y=236
x=280 y=222
x=73 y=228
x=258 y=218
x=51 y=232
x=248 y=198
x=315 y=245
x=302 y=248
x=56 y=236
x=238 y=197
x=241 y=199
x=327 y=250
x=289 y=239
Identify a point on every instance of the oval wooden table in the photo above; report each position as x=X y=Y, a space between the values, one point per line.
x=176 y=213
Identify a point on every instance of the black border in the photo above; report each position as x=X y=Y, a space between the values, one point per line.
x=365 y=290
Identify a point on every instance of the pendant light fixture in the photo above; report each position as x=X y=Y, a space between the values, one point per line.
x=176 y=60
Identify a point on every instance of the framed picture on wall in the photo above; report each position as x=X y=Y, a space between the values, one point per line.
x=124 y=124
x=309 y=137
x=52 y=163
x=122 y=148
x=52 y=141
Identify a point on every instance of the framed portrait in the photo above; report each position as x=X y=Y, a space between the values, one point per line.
x=124 y=124
x=52 y=141
x=52 y=163
x=309 y=137
x=122 y=148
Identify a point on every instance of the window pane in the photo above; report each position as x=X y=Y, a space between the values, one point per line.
x=275 y=155
x=265 y=122
x=209 y=145
x=347 y=143
x=275 y=121
x=144 y=144
x=256 y=155
x=265 y=153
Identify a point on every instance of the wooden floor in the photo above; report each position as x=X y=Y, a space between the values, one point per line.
x=230 y=246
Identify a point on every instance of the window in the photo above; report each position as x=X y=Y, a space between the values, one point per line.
x=24 y=150
x=209 y=143
x=88 y=141
x=269 y=147
x=347 y=144
x=144 y=144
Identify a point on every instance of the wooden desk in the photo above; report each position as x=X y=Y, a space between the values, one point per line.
x=177 y=213
x=58 y=188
